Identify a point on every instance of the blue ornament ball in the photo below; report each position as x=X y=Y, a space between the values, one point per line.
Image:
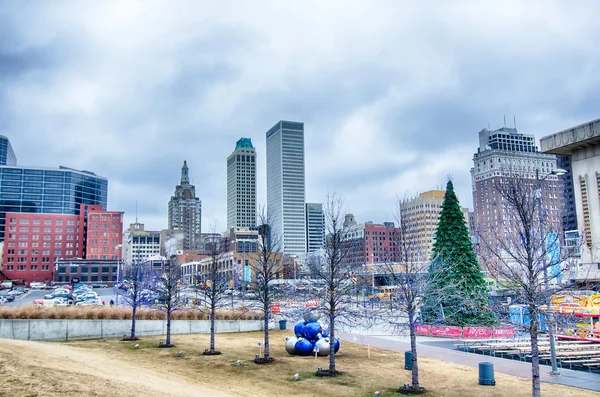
x=299 y=329
x=324 y=334
x=304 y=347
x=312 y=330
x=336 y=344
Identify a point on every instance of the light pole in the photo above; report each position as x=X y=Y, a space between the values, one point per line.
x=116 y=286
x=549 y=317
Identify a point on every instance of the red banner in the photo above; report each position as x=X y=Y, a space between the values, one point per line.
x=446 y=332
x=504 y=332
x=477 y=332
x=422 y=329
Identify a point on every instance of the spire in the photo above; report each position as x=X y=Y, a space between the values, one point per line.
x=185 y=176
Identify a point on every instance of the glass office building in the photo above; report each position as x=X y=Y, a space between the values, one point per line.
x=48 y=190
x=7 y=156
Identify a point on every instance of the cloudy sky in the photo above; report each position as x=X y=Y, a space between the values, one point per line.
x=392 y=94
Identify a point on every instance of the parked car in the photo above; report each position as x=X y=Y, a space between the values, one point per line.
x=98 y=286
x=7 y=297
x=37 y=285
x=16 y=292
x=251 y=295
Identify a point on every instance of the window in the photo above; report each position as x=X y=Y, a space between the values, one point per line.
x=47 y=222
x=33 y=267
x=59 y=222
x=24 y=221
x=45 y=267
x=58 y=230
x=46 y=259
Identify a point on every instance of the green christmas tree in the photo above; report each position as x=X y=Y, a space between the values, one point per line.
x=456 y=293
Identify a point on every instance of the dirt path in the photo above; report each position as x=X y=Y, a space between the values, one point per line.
x=51 y=369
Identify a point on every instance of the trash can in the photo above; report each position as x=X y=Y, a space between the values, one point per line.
x=408 y=360
x=282 y=324
x=486 y=374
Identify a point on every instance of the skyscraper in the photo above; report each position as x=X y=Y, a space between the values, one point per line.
x=241 y=185
x=185 y=211
x=285 y=187
x=315 y=227
x=504 y=153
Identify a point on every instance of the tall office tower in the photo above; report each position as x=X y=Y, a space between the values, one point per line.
x=565 y=186
x=420 y=217
x=503 y=153
x=241 y=185
x=315 y=227
x=185 y=211
x=7 y=156
x=285 y=187
x=45 y=190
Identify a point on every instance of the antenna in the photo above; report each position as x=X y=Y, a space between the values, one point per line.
x=504 y=121
x=515 y=121
x=136 y=214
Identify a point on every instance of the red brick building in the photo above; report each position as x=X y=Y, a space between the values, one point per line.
x=33 y=241
x=372 y=243
x=104 y=233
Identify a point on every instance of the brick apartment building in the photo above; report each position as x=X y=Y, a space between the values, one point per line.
x=371 y=243
x=34 y=241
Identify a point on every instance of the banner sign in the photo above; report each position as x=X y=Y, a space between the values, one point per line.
x=446 y=332
x=422 y=329
x=504 y=332
x=477 y=332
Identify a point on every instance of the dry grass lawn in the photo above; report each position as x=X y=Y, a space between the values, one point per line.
x=115 y=368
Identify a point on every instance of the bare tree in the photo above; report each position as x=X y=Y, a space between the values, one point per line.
x=137 y=273
x=215 y=286
x=334 y=271
x=521 y=253
x=167 y=288
x=266 y=268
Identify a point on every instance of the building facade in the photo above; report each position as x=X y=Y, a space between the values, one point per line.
x=565 y=186
x=241 y=185
x=86 y=271
x=48 y=191
x=104 y=233
x=370 y=243
x=286 y=187
x=140 y=244
x=7 y=155
x=315 y=227
x=171 y=242
x=420 y=217
x=185 y=211
x=504 y=154
x=582 y=144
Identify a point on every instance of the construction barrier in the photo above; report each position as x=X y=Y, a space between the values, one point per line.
x=444 y=331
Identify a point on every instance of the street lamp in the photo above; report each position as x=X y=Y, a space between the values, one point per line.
x=549 y=317
x=117 y=247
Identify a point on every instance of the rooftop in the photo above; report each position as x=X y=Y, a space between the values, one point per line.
x=569 y=140
x=244 y=143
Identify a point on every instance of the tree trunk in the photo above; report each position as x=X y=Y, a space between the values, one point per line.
x=536 y=390
x=331 y=343
x=168 y=341
x=212 y=327
x=413 y=350
x=133 y=312
x=266 y=319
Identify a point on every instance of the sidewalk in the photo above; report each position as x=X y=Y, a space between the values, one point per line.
x=584 y=380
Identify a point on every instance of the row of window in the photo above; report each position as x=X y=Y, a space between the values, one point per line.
x=36 y=221
x=22 y=268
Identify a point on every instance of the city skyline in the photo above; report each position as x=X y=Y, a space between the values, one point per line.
x=392 y=95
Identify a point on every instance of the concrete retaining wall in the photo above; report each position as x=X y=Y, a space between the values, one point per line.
x=97 y=329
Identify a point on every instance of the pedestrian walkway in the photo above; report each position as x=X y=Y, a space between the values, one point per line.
x=584 y=380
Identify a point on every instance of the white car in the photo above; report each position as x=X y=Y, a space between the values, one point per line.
x=37 y=285
x=15 y=292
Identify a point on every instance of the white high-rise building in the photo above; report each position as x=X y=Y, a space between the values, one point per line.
x=285 y=187
x=315 y=227
x=185 y=211
x=241 y=185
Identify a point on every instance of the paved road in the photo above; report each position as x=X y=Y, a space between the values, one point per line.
x=584 y=380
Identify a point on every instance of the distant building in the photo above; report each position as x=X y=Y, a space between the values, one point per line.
x=315 y=227
x=286 y=187
x=35 y=241
x=185 y=211
x=86 y=271
x=241 y=185
x=7 y=156
x=140 y=244
x=420 y=216
x=582 y=144
x=370 y=243
x=503 y=154
x=566 y=189
x=171 y=240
